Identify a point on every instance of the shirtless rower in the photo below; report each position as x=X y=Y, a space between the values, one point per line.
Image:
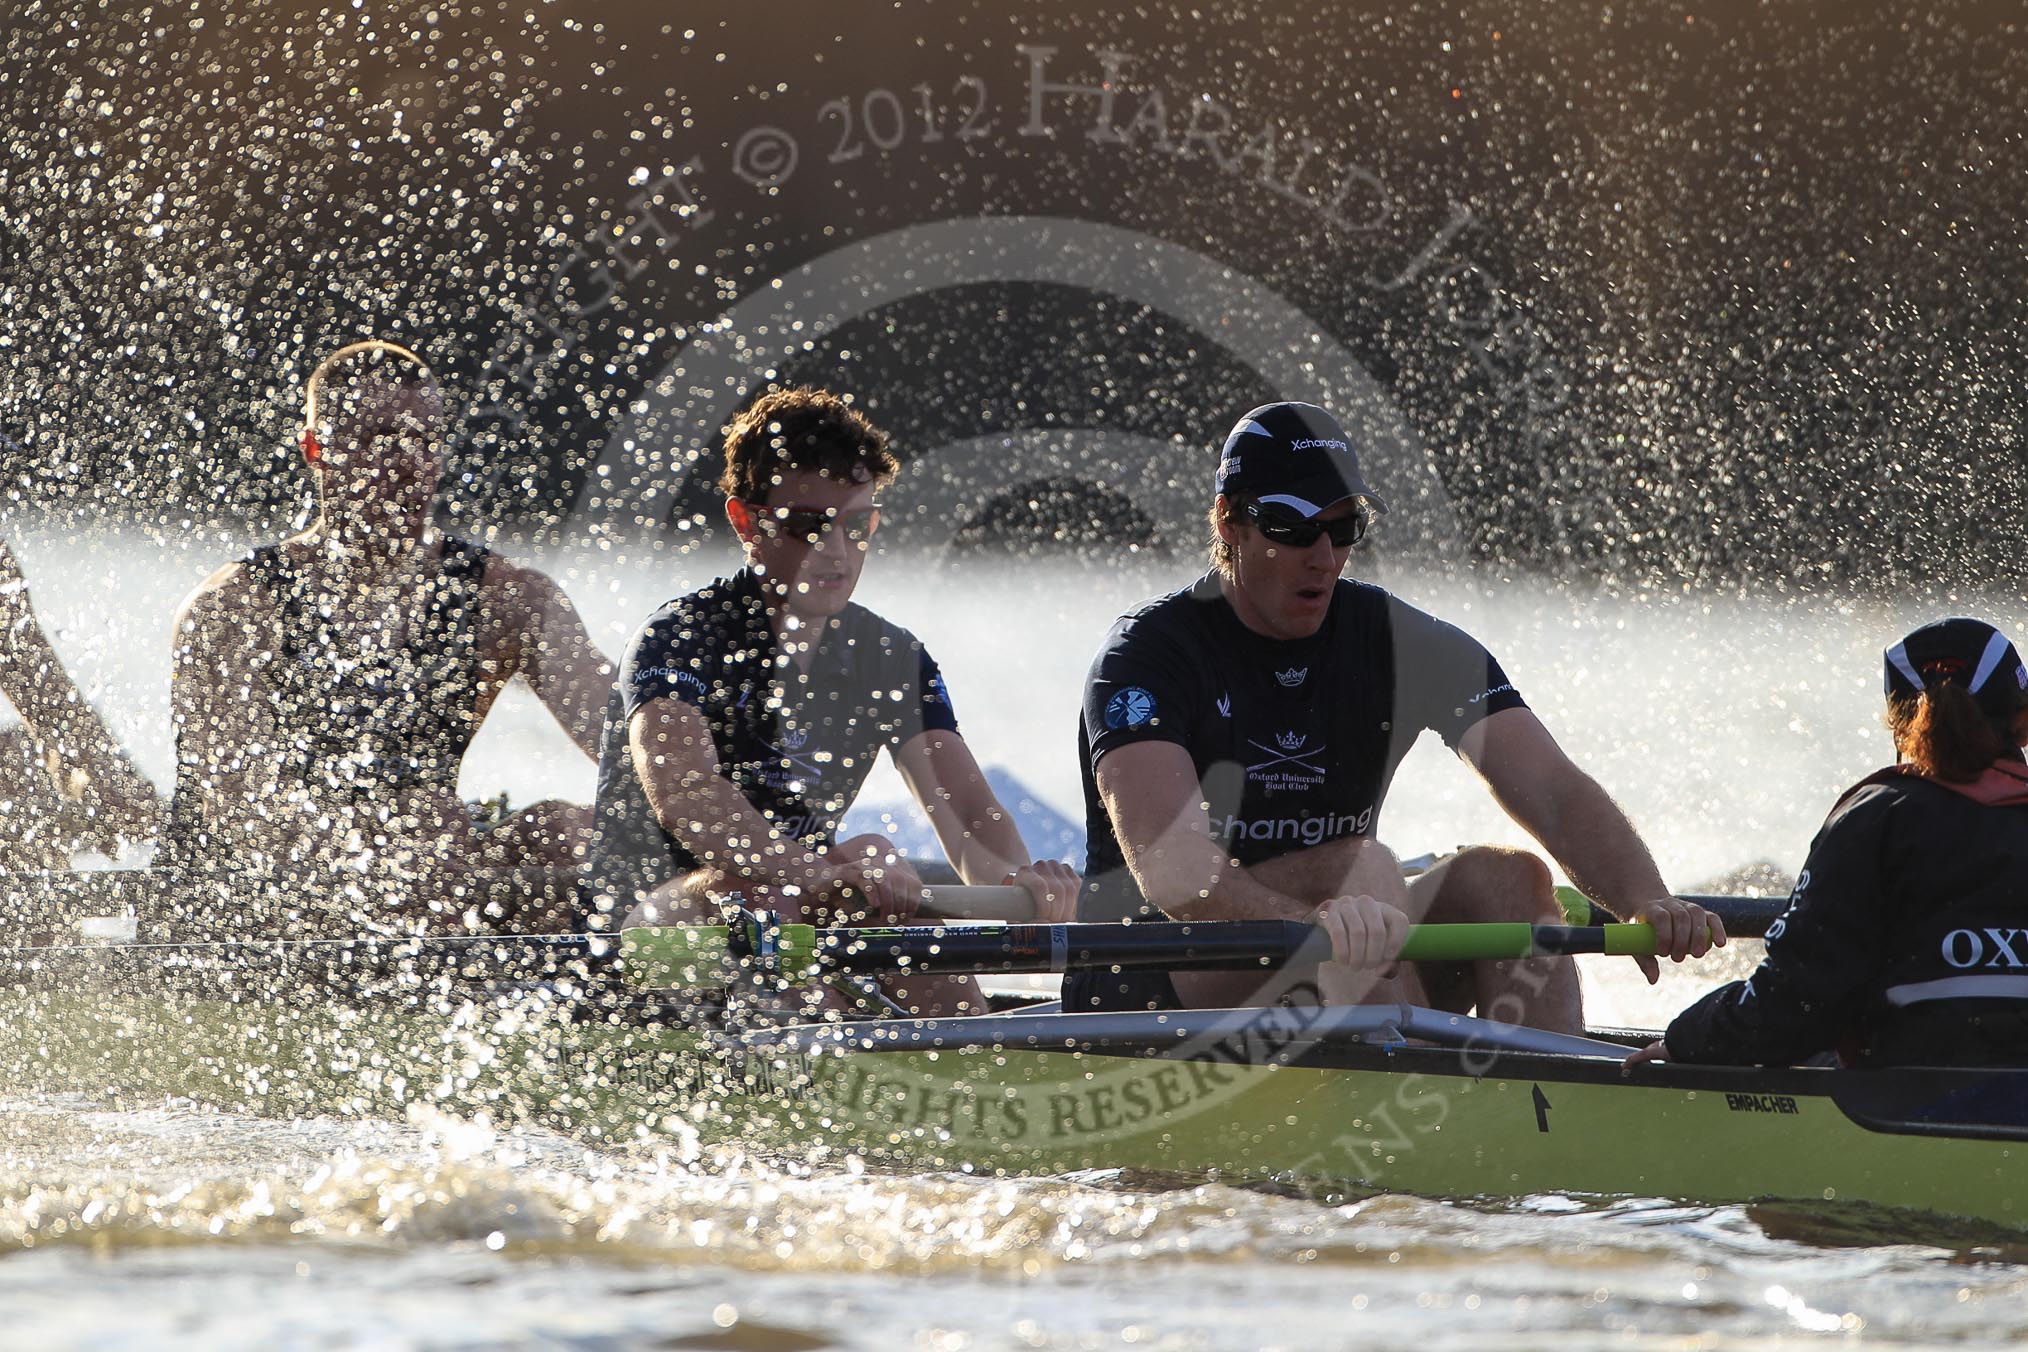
x=1239 y=736
x=747 y=716
x=326 y=688
x=68 y=785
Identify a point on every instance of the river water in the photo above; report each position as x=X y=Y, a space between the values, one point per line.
x=1725 y=725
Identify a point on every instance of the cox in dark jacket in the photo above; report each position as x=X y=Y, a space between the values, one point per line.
x=1906 y=939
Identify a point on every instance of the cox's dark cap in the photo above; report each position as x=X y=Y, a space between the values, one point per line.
x=1968 y=651
x=1295 y=456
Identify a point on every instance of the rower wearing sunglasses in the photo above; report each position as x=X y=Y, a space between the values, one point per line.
x=747 y=716
x=1238 y=738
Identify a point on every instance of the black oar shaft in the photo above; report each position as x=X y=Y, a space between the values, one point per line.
x=690 y=955
x=1169 y=945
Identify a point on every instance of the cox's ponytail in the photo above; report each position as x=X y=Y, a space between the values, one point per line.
x=1945 y=734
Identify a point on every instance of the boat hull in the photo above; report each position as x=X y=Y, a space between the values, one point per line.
x=1279 y=1095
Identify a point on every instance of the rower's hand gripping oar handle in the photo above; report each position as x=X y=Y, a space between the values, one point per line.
x=1743 y=917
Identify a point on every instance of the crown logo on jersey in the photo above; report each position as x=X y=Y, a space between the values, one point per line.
x=794 y=738
x=1291 y=740
x=1293 y=676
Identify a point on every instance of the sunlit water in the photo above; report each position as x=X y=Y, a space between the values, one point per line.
x=1725 y=726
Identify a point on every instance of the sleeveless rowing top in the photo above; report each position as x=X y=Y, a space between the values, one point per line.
x=352 y=727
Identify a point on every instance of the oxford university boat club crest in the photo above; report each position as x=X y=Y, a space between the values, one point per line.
x=794 y=763
x=1293 y=677
x=1291 y=762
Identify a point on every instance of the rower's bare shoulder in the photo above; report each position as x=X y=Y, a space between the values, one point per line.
x=517 y=606
x=523 y=601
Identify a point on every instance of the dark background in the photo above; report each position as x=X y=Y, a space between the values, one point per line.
x=1758 y=276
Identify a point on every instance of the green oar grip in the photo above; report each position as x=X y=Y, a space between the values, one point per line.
x=1629 y=941
x=688 y=956
x=1495 y=942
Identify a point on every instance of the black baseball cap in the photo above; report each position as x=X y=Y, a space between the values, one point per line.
x=1294 y=456
x=1965 y=650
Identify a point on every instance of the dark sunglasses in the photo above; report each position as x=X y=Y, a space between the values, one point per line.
x=811 y=524
x=1286 y=527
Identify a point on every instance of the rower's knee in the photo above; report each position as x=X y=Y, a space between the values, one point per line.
x=1496 y=883
x=549 y=834
x=1361 y=855
x=1348 y=866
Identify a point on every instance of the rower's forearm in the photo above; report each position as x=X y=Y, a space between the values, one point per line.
x=50 y=703
x=580 y=709
x=576 y=698
x=990 y=851
x=812 y=875
x=717 y=825
x=1195 y=880
x=1602 y=852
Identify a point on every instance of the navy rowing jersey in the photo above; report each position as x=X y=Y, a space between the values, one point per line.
x=796 y=743
x=1295 y=741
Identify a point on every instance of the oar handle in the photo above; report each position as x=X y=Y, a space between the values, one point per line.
x=693 y=955
x=965 y=901
x=1743 y=917
x=1495 y=942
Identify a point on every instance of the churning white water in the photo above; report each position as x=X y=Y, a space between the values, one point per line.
x=1725 y=726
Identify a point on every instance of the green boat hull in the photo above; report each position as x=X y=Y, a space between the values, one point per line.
x=1437 y=1121
x=1252 y=1097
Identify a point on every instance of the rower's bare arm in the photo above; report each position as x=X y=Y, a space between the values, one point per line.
x=84 y=761
x=220 y=705
x=677 y=764
x=1151 y=792
x=978 y=833
x=1586 y=832
x=556 y=654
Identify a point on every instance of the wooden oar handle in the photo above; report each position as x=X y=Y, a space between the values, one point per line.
x=961 y=901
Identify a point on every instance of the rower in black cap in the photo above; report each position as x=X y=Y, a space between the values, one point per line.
x=1906 y=940
x=1239 y=736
